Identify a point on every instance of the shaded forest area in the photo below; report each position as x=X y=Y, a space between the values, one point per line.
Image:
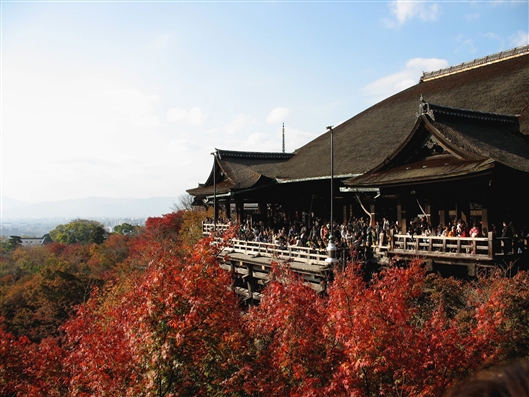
x=148 y=312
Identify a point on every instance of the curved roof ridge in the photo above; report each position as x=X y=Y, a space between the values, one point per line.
x=473 y=114
x=476 y=63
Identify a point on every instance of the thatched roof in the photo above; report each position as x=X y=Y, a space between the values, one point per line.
x=493 y=129
x=366 y=140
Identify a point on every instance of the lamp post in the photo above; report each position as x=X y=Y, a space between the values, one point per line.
x=331 y=247
x=214 y=154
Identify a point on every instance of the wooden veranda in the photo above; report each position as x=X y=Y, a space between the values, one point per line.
x=251 y=262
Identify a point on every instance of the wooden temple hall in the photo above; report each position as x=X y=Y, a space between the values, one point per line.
x=454 y=146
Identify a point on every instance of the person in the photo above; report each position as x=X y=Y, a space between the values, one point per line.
x=509 y=380
x=324 y=231
x=475 y=232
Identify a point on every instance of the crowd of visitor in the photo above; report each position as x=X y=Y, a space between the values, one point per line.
x=356 y=234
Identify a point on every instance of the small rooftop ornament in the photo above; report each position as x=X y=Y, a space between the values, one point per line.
x=424 y=108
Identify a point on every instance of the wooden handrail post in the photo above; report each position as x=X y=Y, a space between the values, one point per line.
x=491 y=245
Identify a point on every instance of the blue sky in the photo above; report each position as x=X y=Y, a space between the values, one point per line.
x=128 y=99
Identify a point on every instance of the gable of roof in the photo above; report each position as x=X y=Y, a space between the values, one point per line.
x=490 y=136
x=466 y=134
x=451 y=143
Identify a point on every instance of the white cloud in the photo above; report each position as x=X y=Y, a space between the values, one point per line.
x=405 y=10
x=240 y=123
x=491 y=36
x=262 y=141
x=469 y=44
x=181 y=145
x=389 y=85
x=294 y=139
x=266 y=142
x=195 y=116
x=519 y=39
x=278 y=115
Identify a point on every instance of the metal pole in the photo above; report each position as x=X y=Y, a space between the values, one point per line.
x=331 y=247
x=214 y=191
x=332 y=175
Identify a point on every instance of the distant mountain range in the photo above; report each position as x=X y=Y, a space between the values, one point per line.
x=89 y=207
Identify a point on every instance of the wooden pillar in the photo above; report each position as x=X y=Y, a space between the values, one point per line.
x=443 y=217
x=263 y=213
x=485 y=220
x=465 y=211
x=435 y=213
x=228 y=208
x=239 y=209
x=458 y=210
x=373 y=214
x=401 y=216
x=428 y=210
x=488 y=205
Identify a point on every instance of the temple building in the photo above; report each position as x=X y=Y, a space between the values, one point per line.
x=453 y=146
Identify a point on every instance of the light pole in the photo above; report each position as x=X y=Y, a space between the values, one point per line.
x=214 y=154
x=331 y=247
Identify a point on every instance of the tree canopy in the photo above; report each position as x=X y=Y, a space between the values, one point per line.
x=151 y=315
x=127 y=229
x=81 y=231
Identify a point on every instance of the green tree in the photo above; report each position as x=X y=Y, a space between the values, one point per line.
x=127 y=229
x=7 y=244
x=79 y=231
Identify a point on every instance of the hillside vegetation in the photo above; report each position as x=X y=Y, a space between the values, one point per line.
x=150 y=313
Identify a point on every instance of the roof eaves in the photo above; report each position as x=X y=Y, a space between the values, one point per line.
x=316 y=178
x=481 y=168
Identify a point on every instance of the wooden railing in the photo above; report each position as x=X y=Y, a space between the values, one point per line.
x=281 y=252
x=474 y=248
x=219 y=227
x=293 y=252
x=480 y=248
